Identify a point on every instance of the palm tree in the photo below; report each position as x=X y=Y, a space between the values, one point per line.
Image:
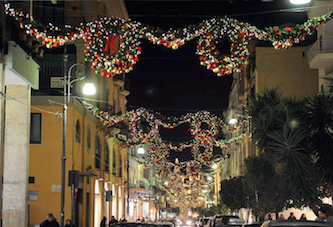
x=320 y=125
x=279 y=129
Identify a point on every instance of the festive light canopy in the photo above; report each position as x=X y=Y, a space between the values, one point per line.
x=112 y=46
x=201 y=138
x=187 y=182
x=109 y=58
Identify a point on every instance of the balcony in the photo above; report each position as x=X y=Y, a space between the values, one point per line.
x=142 y=189
x=320 y=55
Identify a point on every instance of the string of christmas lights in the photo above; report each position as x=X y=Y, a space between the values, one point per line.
x=186 y=180
x=201 y=145
x=112 y=45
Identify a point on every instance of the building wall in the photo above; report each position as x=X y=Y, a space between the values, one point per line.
x=321 y=53
x=286 y=69
x=45 y=158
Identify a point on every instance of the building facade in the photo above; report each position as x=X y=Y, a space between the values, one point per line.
x=97 y=162
x=321 y=52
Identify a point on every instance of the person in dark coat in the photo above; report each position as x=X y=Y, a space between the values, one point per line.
x=291 y=217
x=303 y=217
x=103 y=222
x=50 y=221
x=69 y=223
x=113 y=221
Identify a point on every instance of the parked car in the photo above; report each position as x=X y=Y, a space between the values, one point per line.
x=220 y=220
x=198 y=222
x=210 y=222
x=185 y=223
x=297 y=223
x=130 y=224
x=201 y=222
x=162 y=224
x=205 y=221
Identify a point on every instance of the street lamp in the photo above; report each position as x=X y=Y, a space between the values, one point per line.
x=299 y=2
x=141 y=150
x=232 y=121
x=68 y=83
x=88 y=88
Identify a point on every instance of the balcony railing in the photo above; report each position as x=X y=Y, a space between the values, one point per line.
x=321 y=46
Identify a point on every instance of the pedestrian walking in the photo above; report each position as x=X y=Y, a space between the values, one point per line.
x=291 y=217
x=50 y=221
x=123 y=219
x=69 y=223
x=303 y=217
x=103 y=222
x=113 y=221
x=281 y=217
x=269 y=217
x=323 y=216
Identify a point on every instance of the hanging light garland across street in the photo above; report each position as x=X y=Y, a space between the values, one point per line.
x=108 y=58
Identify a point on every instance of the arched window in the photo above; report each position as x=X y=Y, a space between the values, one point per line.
x=114 y=160
x=78 y=132
x=97 y=152
x=107 y=157
x=88 y=139
x=120 y=166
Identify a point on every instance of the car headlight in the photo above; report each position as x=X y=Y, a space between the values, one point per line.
x=188 y=222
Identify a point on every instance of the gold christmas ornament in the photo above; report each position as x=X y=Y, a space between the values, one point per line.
x=226 y=59
x=216 y=70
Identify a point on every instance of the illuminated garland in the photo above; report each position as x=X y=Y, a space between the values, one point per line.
x=188 y=189
x=205 y=139
x=101 y=48
x=184 y=182
x=187 y=182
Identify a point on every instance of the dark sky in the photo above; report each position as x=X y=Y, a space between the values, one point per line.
x=173 y=82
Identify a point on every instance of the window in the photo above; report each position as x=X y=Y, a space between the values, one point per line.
x=120 y=165
x=146 y=173
x=35 y=128
x=31 y=180
x=88 y=139
x=107 y=157
x=78 y=132
x=97 y=152
x=53 y=14
x=114 y=160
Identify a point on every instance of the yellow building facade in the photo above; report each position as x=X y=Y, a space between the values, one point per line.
x=100 y=161
x=287 y=70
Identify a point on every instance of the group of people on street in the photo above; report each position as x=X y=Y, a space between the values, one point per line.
x=293 y=218
x=112 y=221
x=51 y=221
x=322 y=217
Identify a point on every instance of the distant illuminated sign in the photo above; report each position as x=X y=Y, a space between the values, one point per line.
x=57 y=82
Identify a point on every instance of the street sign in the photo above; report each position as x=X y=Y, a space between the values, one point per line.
x=32 y=195
x=57 y=82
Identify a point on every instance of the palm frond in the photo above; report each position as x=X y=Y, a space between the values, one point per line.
x=285 y=148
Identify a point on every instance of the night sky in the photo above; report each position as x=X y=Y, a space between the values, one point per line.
x=173 y=82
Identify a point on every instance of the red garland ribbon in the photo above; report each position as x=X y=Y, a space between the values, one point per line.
x=21 y=23
x=110 y=41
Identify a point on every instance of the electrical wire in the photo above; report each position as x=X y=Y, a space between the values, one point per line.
x=292 y=10
x=32 y=107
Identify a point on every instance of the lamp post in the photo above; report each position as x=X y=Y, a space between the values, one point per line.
x=299 y=2
x=68 y=83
